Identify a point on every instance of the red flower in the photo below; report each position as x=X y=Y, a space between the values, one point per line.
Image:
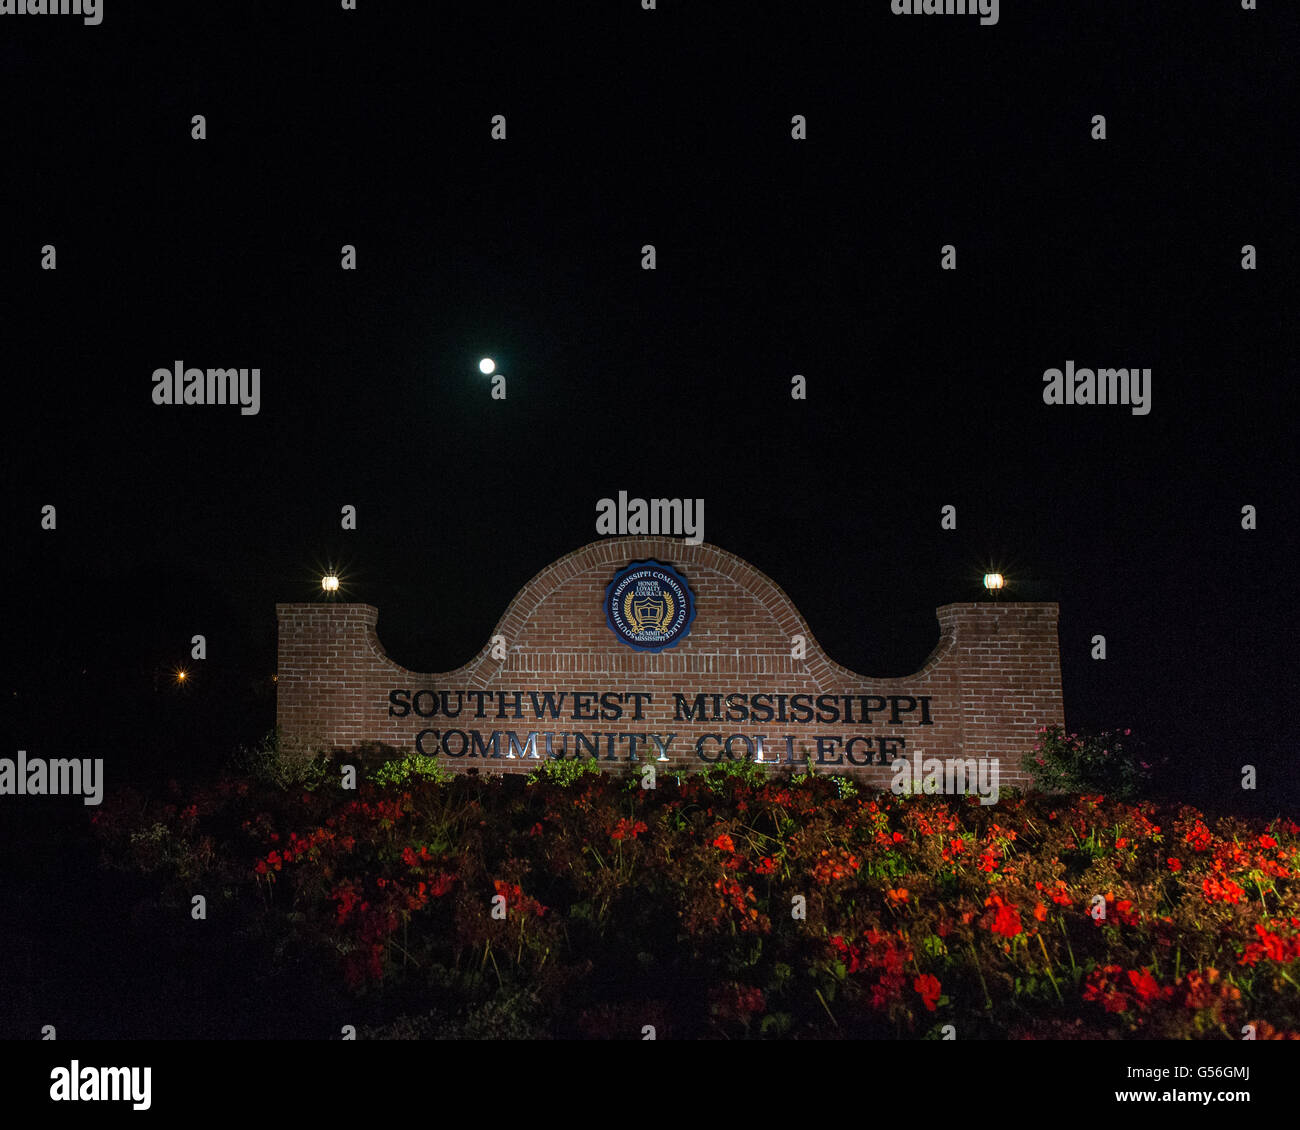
x=828 y=867
x=851 y=954
x=1007 y=919
x=1226 y=891
x=1060 y=896
x=1175 y=864
x=723 y=843
x=1124 y=913
x=514 y=896
x=928 y=986
x=1146 y=986
x=1100 y=987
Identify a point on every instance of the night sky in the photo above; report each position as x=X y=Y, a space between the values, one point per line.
x=775 y=257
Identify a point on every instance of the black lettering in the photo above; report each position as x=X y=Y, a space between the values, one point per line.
x=802 y=704
x=593 y=748
x=853 y=758
x=699 y=747
x=894 y=719
x=868 y=711
x=419 y=743
x=479 y=748
x=890 y=748
x=737 y=711
x=828 y=708
x=683 y=713
x=549 y=705
x=749 y=747
x=825 y=746
x=631 y=740
x=398 y=698
x=527 y=748
x=432 y=710
x=579 y=704
x=761 y=702
x=611 y=706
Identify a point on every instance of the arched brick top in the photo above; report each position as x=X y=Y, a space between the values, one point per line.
x=711 y=572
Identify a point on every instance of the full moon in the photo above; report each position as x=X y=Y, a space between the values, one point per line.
x=486 y=365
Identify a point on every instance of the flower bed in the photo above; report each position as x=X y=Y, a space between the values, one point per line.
x=730 y=905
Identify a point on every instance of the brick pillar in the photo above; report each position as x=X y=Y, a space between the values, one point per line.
x=326 y=653
x=1007 y=659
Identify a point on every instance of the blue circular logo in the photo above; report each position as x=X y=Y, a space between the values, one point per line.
x=648 y=606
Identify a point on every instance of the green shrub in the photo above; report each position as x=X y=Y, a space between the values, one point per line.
x=1094 y=763
x=719 y=775
x=271 y=762
x=564 y=773
x=400 y=770
x=845 y=787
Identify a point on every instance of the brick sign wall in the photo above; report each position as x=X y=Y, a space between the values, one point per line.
x=554 y=680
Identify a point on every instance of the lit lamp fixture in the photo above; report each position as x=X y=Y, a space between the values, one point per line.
x=994 y=582
x=330 y=582
x=487 y=366
x=182 y=675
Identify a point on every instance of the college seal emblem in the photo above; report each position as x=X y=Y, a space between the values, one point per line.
x=648 y=606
